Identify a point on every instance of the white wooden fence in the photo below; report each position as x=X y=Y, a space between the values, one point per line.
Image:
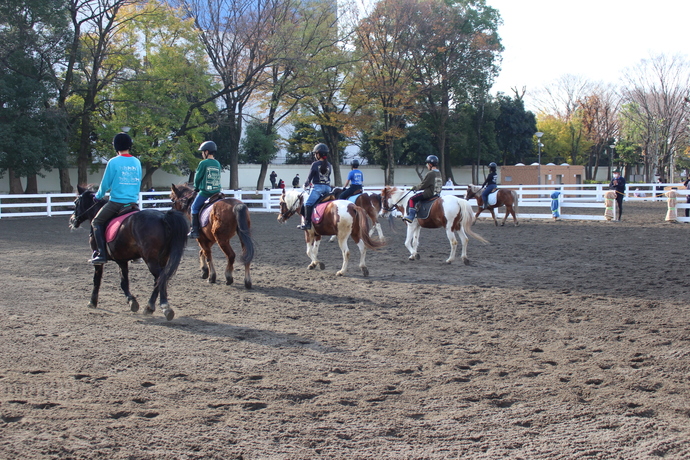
x=579 y=202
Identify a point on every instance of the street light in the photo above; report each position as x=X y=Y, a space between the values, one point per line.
x=612 y=146
x=539 y=134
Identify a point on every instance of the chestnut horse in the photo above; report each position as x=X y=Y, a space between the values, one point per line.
x=448 y=211
x=341 y=218
x=159 y=238
x=371 y=203
x=228 y=217
x=504 y=197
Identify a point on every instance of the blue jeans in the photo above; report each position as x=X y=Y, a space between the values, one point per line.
x=317 y=191
x=485 y=194
x=198 y=203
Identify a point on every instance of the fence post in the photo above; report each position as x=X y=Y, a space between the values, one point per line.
x=671 y=213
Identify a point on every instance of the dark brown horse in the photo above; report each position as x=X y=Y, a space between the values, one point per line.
x=159 y=238
x=341 y=218
x=504 y=197
x=371 y=203
x=448 y=211
x=227 y=218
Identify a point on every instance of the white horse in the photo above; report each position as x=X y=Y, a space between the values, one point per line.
x=341 y=218
x=448 y=211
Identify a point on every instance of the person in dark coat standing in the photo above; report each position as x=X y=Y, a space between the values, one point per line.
x=272 y=177
x=618 y=184
x=295 y=181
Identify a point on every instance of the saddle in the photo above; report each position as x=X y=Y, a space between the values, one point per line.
x=424 y=207
x=320 y=205
x=115 y=223
x=206 y=208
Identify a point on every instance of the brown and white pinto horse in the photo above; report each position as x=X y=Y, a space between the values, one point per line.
x=341 y=218
x=371 y=203
x=228 y=217
x=448 y=211
x=504 y=197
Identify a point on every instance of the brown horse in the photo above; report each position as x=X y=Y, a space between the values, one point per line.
x=227 y=218
x=504 y=197
x=341 y=218
x=448 y=211
x=371 y=203
x=158 y=238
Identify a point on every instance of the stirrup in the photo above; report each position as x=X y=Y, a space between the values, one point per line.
x=407 y=219
x=98 y=260
x=305 y=226
x=193 y=233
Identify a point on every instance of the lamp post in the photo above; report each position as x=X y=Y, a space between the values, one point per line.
x=612 y=146
x=539 y=134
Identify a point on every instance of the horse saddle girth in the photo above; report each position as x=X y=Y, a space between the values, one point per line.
x=116 y=222
x=424 y=207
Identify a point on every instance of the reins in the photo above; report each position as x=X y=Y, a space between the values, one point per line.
x=389 y=209
x=80 y=217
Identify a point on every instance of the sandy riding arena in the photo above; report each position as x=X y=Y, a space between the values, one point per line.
x=559 y=340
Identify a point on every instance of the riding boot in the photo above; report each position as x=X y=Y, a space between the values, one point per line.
x=411 y=214
x=308 y=210
x=101 y=255
x=194 y=232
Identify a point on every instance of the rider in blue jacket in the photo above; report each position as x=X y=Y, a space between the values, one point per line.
x=355 y=179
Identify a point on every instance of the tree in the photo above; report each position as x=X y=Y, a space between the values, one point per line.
x=600 y=120
x=385 y=43
x=164 y=100
x=32 y=137
x=658 y=93
x=515 y=128
x=257 y=147
x=455 y=48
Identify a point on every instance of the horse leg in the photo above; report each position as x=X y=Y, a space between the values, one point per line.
x=97 y=277
x=332 y=238
x=155 y=269
x=463 y=241
x=313 y=253
x=124 y=284
x=345 y=250
x=230 y=255
x=412 y=239
x=377 y=229
x=512 y=211
x=493 y=215
x=206 y=258
x=363 y=258
x=202 y=264
x=168 y=312
x=453 y=242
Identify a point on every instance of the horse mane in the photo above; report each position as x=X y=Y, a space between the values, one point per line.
x=475 y=188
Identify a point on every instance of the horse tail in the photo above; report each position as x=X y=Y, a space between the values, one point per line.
x=176 y=229
x=515 y=201
x=243 y=231
x=467 y=219
x=361 y=227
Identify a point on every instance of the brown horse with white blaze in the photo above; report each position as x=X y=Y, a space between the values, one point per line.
x=504 y=197
x=341 y=218
x=227 y=218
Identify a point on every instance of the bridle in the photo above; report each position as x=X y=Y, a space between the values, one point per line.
x=81 y=217
x=293 y=208
x=184 y=200
x=395 y=205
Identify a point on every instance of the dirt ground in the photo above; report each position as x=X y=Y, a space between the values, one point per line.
x=560 y=340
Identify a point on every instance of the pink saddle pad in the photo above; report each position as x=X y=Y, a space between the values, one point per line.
x=317 y=215
x=114 y=226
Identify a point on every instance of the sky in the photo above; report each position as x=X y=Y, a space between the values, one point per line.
x=595 y=39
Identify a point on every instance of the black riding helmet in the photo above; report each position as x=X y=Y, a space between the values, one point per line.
x=208 y=145
x=122 y=142
x=355 y=163
x=432 y=160
x=492 y=165
x=321 y=150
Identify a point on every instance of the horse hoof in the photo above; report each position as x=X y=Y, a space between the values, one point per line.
x=339 y=273
x=322 y=265
x=311 y=266
x=92 y=305
x=204 y=275
x=133 y=305
x=148 y=310
x=503 y=224
x=417 y=256
x=229 y=281
x=212 y=280
x=449 y=261
x=169 y=313
x=465 y=261
x=248 y=284
x=365 y=271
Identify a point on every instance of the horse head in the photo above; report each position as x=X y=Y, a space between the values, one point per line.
x=290 y=203
x=473 y=191
x=182 y=197
x=85 y=207
x=391 y=199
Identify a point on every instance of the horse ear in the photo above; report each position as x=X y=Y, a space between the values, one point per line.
x=174 y=189
x=80 y=189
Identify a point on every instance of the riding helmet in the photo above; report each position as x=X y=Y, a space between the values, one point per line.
x=355 y=163
x=492 y=165
x=122 y=142
x=432 y=159
x=208 y=145
x=321 y=150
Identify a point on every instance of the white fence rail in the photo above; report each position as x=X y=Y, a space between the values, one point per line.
x=574 y=199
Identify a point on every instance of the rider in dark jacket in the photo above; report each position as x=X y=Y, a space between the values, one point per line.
x=320 y=178
x=431 y=186
x=490 y=184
